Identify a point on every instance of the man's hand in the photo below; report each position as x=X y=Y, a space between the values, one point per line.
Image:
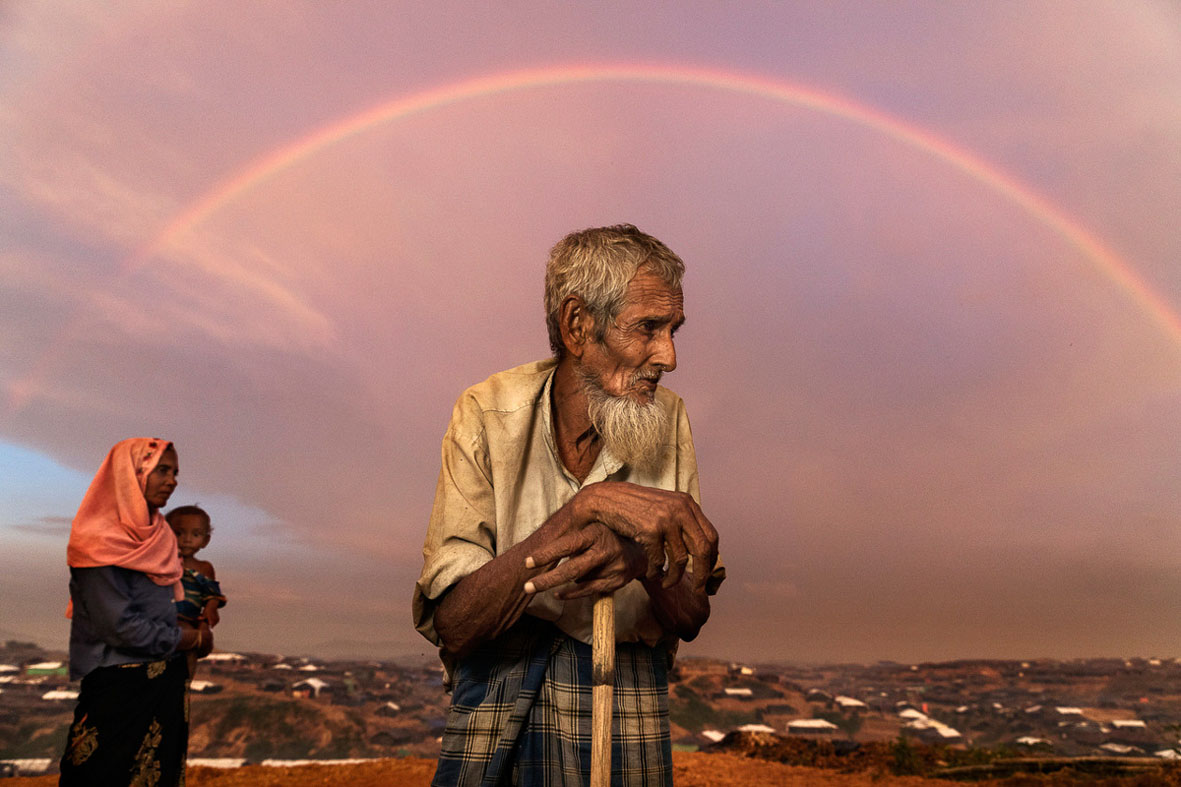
x=610 y=533
x=668 y=526
x=600 y=561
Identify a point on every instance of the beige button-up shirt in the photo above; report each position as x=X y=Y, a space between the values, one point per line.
x=502 y=478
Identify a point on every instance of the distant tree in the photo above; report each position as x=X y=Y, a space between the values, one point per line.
x=905 y=761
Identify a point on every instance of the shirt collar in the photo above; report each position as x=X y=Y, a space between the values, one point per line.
x=605 y=464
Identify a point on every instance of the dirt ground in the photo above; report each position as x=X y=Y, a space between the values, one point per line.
x=691 y=769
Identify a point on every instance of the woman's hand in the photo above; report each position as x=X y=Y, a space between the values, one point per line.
x=198 y=639
x=204 y=641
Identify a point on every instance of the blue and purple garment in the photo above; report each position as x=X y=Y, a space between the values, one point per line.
x=199 y=591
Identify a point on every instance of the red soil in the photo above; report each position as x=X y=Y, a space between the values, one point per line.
x=691 y=769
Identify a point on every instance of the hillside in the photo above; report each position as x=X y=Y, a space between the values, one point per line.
x=1118 y=718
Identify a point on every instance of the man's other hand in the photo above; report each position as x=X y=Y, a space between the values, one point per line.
x=668 y=526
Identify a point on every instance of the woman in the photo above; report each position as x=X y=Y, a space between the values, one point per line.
x=131 y=724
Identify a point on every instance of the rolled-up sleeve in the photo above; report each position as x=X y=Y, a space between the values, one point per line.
x=461 y=536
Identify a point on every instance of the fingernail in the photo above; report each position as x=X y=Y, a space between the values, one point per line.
x=530 y=588
x=529 y=562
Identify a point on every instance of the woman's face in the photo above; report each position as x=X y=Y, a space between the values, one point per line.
x=162 y=480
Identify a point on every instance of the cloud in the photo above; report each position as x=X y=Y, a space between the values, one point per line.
x=900 y=381
x=49 y=526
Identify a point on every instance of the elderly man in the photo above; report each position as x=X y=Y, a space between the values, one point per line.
x=561 y=480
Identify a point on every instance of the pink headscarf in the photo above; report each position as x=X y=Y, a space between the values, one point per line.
x=113 y=527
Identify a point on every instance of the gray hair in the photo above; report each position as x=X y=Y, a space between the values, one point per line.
x=597 y=264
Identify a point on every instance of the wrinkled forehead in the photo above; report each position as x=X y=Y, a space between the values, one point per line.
x=647 y=288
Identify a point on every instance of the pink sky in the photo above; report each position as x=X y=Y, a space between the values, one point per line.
x=932 y=422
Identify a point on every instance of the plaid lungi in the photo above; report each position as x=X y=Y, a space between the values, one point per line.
x=521 y=714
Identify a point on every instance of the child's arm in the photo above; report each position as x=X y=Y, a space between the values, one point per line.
x=211 y=613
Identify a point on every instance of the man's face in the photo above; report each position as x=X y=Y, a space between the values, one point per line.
x=638 y=347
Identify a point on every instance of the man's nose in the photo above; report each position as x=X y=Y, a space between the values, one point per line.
x=665 y=355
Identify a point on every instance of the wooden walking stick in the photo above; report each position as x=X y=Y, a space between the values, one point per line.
x=602 y=689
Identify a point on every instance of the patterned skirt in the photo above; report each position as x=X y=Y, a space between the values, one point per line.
x=131 y=727
x=521 y=714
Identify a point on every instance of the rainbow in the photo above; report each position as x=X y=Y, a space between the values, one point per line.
x=265 y=167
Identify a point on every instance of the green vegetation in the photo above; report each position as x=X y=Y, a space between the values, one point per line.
x=905 y=757
x=690 y=711
x=271 y=728
x=904 y=760
x=264 y=749
x=31 y=740
x=274 y=728
x=346 y=739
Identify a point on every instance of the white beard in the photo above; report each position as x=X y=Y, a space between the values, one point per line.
x=632 y=431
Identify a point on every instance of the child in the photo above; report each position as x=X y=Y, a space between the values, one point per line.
x=203 y=595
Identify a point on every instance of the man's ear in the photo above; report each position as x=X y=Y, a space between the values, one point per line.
x=576 y=325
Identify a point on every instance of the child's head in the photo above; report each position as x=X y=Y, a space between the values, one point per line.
x=192 y=527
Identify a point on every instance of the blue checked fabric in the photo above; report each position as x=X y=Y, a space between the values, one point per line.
x=521 y=714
